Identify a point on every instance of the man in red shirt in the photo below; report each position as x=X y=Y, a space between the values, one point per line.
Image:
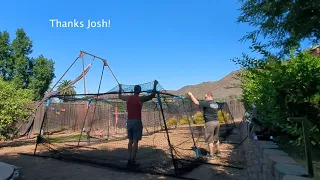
x=134 y=123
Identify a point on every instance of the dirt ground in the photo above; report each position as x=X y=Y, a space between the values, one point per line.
x=40 y=168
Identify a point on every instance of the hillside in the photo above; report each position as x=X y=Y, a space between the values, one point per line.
x=223 y=88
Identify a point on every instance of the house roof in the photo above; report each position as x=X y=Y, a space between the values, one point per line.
x=314 y=48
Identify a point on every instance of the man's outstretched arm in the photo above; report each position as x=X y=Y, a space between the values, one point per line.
x=194 y=100
x=152 y=95
x=122 y=97
x=148 y=98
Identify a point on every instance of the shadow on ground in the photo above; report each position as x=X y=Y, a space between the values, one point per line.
x=101 y=161
x=35 y=168
x=18 y=143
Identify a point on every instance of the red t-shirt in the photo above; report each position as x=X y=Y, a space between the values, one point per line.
x=134 y=107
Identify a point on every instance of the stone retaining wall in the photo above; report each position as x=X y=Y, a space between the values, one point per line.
x=266 y=161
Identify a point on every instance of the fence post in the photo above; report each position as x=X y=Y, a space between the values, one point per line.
x=307 y=145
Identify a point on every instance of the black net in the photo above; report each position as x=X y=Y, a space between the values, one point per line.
x=92 y=129
x=145 y=88
x=226 y=119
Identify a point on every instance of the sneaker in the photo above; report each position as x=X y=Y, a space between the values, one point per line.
x=217 y=153
x=210 y=157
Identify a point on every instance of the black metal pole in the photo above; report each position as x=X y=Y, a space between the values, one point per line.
x=307 y=145
x=168 y=138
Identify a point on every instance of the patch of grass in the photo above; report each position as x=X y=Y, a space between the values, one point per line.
x=74 y=137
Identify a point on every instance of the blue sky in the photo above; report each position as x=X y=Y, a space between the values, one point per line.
x=176 y=42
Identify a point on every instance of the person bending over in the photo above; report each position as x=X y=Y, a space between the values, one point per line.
x=212 y=124
x=134 y=123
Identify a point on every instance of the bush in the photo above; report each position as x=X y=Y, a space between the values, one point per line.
x=281 y=89
x=198 y=118
x=184 y=121
x=14 y=106
x=223 y=117
x=172 y=121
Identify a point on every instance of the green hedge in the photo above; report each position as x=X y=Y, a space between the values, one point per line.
x=282 y=89
x=14 y=107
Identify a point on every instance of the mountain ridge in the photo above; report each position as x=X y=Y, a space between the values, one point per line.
x=226 y=87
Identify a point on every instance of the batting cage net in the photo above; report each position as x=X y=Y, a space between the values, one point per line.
x=91 y=129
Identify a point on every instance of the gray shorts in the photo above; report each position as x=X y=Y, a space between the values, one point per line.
x=134 y=129
x=211 y=131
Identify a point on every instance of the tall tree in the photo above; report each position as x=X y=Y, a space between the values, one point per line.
x=284 y=24
x=5 y=56
x=22 y=47
x=42 y=75
x=23 y=71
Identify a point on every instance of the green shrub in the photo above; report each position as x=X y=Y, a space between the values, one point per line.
x=184 y=121
x=198 y=118
x=223 y=117
x=14 y=107
x=283 y=88
x=172 y=121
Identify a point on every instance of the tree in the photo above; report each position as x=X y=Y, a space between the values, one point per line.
x=70 y=90
x=41 y=77
x=24 y=71
x=6 y=64
x=14 y=105
x=22 y=47
x=283 y=23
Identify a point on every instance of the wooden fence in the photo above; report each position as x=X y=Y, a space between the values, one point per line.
x=71 y=115
x=236 y=108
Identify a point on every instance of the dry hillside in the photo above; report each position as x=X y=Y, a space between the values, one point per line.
x=223 y=88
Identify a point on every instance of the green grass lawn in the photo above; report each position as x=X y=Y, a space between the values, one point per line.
x=74 y=137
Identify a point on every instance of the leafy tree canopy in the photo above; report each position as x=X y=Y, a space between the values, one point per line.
x=282 y=23
x=24 y=71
